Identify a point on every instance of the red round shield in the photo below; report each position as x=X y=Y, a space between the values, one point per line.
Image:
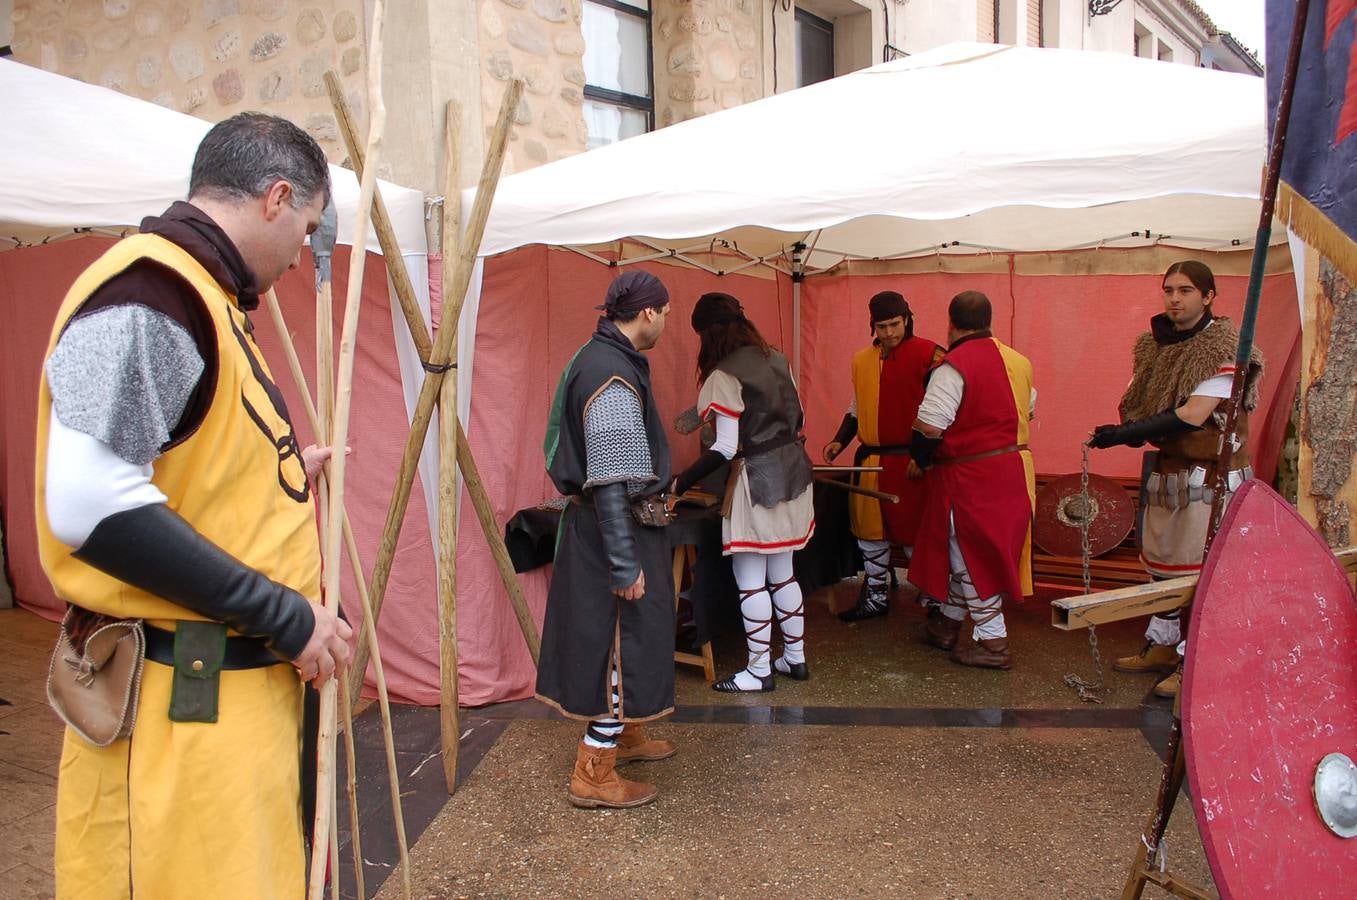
x=1060 y=510
x=1269 y=691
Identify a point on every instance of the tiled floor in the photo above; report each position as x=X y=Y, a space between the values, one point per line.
x=30 y=748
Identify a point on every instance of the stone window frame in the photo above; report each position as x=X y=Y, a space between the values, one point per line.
x=622 y=98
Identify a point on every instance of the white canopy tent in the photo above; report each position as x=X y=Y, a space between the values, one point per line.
x=81 y=156
x=967 y=147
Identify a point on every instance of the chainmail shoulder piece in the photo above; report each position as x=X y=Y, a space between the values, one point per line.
x=123 y=375
x=615 y=443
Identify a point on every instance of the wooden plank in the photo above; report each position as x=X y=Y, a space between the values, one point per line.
x=1074 y=613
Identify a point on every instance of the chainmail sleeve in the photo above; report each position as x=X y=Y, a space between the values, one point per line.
x=615 y=443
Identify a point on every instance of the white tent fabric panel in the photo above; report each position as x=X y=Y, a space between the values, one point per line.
x=1013 y=148
x=80 y=156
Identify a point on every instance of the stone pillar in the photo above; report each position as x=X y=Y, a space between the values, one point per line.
x=707 y=56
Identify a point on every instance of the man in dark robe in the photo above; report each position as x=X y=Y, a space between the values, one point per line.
x=608 y=638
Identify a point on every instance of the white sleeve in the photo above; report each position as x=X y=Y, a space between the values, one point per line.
x=943 y=397
x=87 y=482
x=1032 y=405
x=727 y=434
x=853 y=407
x=1217 y=386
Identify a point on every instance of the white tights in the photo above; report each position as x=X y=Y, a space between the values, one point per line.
x=755 y=574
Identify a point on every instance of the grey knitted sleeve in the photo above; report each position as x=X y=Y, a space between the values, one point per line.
x=123 y=375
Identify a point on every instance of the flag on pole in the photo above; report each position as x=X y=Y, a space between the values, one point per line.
x=1318 y=194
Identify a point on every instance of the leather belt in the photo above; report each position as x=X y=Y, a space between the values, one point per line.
x=770 y=446
x=1015 y=448
x=241 y=652
x=866 y=450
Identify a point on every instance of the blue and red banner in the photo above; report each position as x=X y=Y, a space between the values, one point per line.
x=1318 y=195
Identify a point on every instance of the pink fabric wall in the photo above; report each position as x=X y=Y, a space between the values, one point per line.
x=536 y=310
x=1077 y=330
x=33 y=282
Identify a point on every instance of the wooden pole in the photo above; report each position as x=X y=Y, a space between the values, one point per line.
x=448 y=725
x=325 y=786
x=381 y=219
x=351 y=546
x=439 y=361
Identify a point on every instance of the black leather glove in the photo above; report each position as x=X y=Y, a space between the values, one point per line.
x=848 y=429
x=619 y=544
x=923 y=448
x=708 y=462
x=153 y=548
x=1161 y=425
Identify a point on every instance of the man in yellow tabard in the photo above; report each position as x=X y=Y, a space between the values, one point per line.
x=170 y=489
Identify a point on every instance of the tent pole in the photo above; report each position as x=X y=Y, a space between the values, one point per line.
x=798 y=275
x=448 y=726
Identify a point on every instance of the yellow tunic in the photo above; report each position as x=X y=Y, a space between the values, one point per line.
x=1019 y=369
x=194 y=809
x=865 y=512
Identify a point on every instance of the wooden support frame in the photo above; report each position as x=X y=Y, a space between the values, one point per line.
x=437 y=360
x=684 y=556
x=1074 y=613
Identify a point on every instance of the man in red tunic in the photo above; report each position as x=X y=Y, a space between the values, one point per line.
x=888 y=383
x=969 y=442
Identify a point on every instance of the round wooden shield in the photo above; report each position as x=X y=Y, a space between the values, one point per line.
x=1269 y=693
x=1060 y=511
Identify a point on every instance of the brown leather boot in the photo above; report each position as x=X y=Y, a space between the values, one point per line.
x=940 y=631
x=634 y=746
x=596 y=783
x=989 y=653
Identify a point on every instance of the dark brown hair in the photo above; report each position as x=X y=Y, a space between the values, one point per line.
x=1197 y=272
x=720 y=322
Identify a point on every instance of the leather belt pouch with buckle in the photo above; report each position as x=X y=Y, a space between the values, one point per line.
x=651 y=512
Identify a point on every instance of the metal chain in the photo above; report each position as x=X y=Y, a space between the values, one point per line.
x=1089 y=692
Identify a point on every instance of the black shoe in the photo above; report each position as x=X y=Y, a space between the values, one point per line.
x=794 y=671
x=866 y=609
x=731 y=686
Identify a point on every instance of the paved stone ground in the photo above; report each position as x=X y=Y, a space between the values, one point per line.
x=892 y=772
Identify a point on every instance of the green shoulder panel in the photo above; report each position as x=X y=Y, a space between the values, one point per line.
x=553 y=436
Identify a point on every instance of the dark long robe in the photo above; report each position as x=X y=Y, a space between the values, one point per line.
x=589 y=632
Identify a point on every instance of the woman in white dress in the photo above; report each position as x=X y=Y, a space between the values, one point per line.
x=748 y=395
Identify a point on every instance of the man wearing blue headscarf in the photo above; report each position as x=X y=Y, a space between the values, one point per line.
x=608 y=638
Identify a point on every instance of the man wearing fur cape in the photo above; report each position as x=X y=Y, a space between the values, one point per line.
x=1177 y=400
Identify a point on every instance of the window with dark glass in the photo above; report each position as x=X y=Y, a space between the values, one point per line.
x=619 y=98
x=814 y=48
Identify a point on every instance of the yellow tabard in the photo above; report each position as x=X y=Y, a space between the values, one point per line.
x=181 y=808
x=1019 y=370
x=865 y=512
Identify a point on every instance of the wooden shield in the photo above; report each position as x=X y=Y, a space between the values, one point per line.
x=1056 y=523
x=1269 y=690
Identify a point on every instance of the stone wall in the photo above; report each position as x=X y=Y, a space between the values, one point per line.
x=210 y=58
x=539 y=41
x=708 y=56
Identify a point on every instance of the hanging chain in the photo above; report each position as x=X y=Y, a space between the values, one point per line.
x=1089 y=691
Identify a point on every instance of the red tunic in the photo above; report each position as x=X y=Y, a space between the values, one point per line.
x=902 y=390
x=987 y=498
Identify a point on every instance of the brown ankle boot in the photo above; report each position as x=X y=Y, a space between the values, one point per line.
x=940 y=631
x=634 y=746
x=984 y=654
x=595 y=783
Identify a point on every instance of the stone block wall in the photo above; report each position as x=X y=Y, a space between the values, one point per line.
x=209 y=58
x=708 y=56
x=539 y=41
